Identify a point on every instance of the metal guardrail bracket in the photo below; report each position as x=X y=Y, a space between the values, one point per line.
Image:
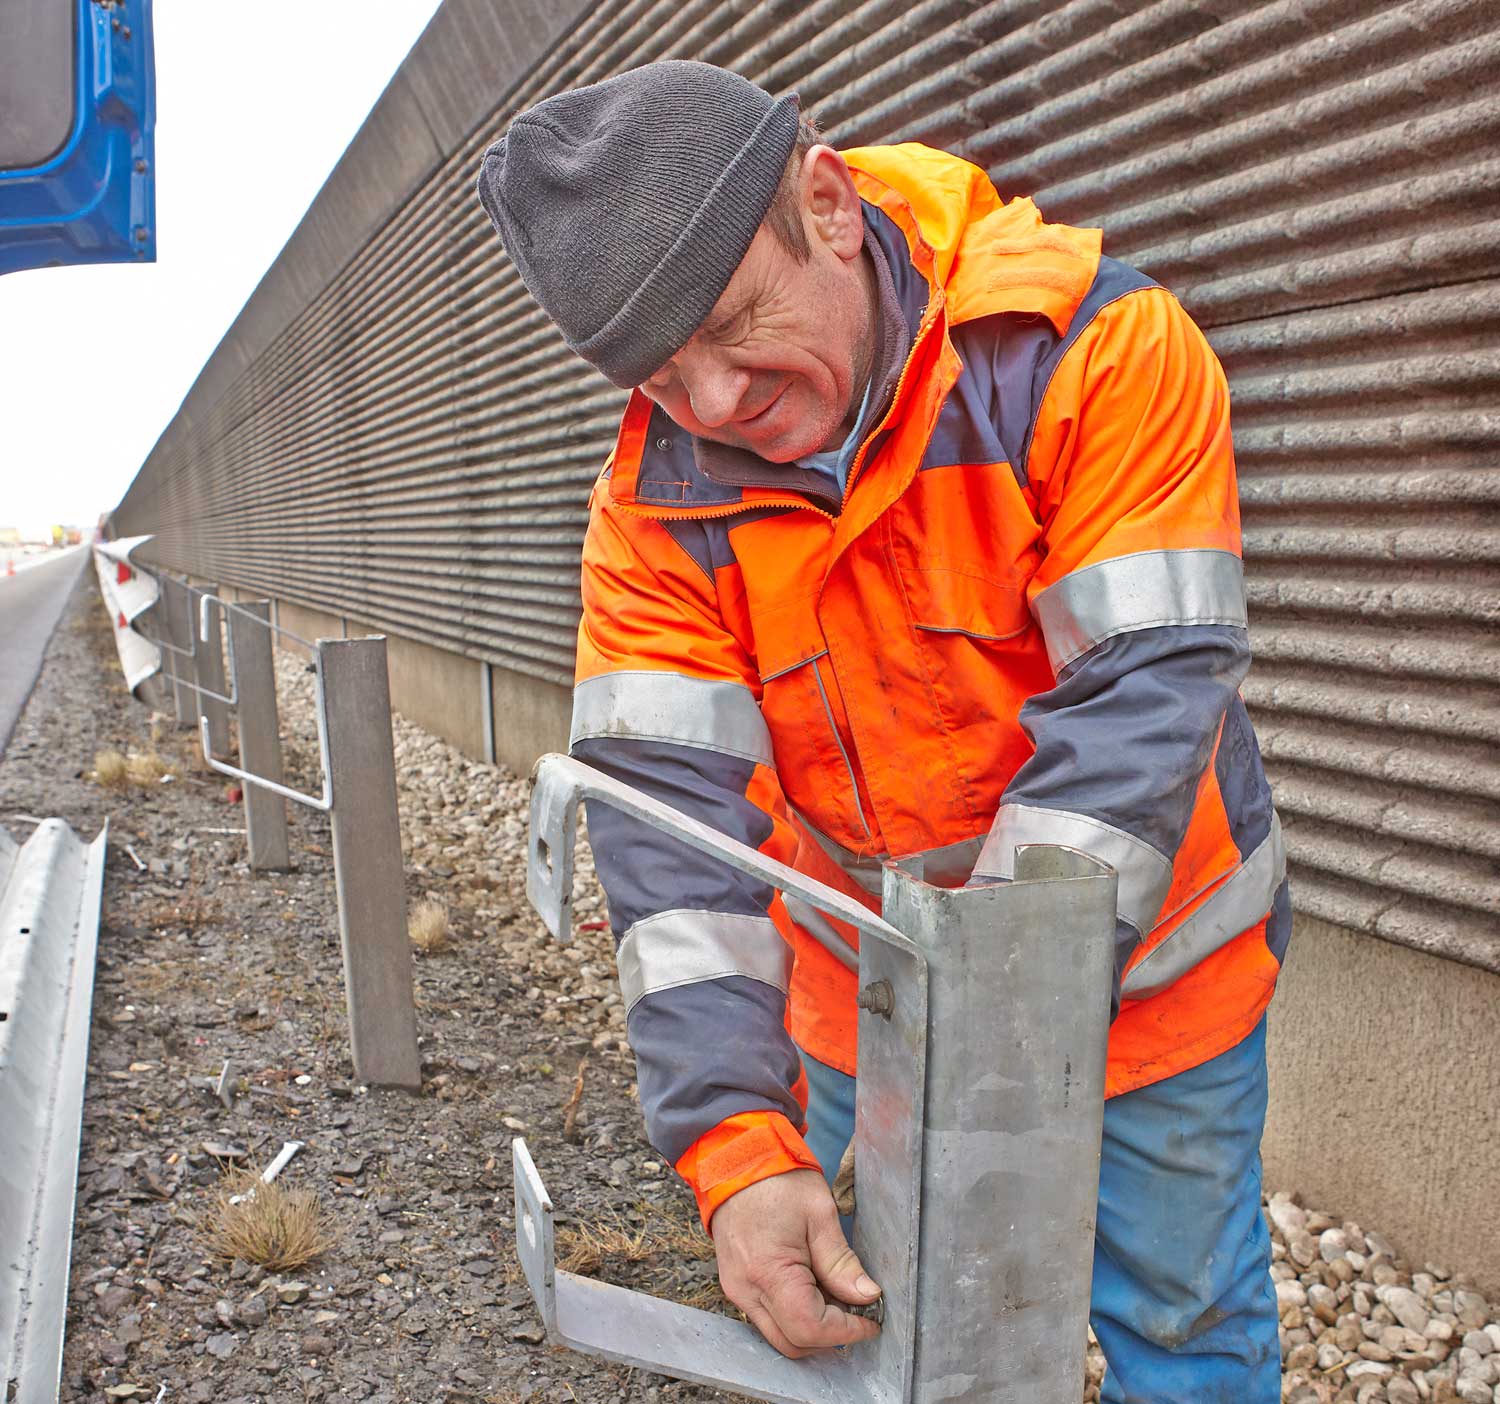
x=978 y=1117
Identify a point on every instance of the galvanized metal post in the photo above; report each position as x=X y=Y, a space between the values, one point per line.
x=209 y=668
x=367 y=862
x=978 y=1117
x=260 y=735
x=1018 y=981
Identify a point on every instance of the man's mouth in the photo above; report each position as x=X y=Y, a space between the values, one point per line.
x=751 y=421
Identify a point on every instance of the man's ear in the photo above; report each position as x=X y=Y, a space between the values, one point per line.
x=830 y=203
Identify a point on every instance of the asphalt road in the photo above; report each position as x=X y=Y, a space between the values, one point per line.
x=31 y=603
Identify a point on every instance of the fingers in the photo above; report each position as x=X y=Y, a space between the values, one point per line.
x=834 y=1263
x=795 y=1317
x=765 y=1323
x=782 y=1256
x=809 y=1320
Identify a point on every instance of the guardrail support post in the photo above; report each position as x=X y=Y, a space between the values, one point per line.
x=209 y=670
x=367 y=862
x=260 y=734
x=178 y=627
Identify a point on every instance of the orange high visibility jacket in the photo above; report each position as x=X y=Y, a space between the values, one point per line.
x=1022 y=622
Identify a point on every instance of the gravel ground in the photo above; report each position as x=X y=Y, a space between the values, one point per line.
x=418 y=1299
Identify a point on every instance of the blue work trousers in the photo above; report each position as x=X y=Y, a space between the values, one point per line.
x=1182 y=1299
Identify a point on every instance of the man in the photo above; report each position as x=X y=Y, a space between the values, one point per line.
x=920 y=533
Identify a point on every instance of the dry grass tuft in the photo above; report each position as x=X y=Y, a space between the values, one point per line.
x=111 y=770
x=428 y=926
x=592 y=1248
x=664 y=1258
x=145 y=768
x=116 y=771
x=281 y=1229
x=187 y=912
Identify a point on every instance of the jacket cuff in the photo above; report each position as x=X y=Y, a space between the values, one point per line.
x=740 y=1150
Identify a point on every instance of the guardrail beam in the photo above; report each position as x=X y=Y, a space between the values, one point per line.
x=50 y=891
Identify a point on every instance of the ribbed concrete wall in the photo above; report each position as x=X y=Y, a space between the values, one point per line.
x=1385 y=1070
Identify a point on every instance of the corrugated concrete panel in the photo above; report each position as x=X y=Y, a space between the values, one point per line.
x=530 y=718
x=473 y=50
x=1384 y=1065
x=398 y=436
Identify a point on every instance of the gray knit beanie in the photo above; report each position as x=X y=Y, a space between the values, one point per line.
x=627 y=205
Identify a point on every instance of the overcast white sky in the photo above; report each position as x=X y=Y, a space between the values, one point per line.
x=254 y=106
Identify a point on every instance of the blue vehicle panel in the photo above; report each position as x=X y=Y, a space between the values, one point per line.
x=93 y=200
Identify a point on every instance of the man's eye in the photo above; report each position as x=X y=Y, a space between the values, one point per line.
x=733 y=328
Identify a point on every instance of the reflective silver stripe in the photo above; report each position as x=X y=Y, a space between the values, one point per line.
x=1140 y=591
x=1241 y=902
x=1145 y=875
x=815 y=921
x=682 y=947
x=649 y=706
x=866 y=870
x=949 y=865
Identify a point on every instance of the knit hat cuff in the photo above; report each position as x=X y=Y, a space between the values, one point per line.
x=661 y=315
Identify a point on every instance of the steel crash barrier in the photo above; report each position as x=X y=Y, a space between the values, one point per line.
x=50 y=891
x=130 y=593
x=979 y=1114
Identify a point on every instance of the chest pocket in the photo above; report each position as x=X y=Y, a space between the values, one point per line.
x=958 y=600
x=982 y=655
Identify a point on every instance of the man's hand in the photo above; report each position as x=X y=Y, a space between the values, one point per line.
x=779 y=1242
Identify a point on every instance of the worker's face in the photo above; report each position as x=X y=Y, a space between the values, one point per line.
x=776 y=364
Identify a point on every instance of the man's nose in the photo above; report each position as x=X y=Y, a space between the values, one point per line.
x=714 y=390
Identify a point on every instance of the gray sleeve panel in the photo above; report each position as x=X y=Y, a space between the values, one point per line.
x=1127 y=731
x=1125 y=735
x=707 y=1051
x=711 y=1047
x=1009 y=362
x=1242 y=780
x=646 y=872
